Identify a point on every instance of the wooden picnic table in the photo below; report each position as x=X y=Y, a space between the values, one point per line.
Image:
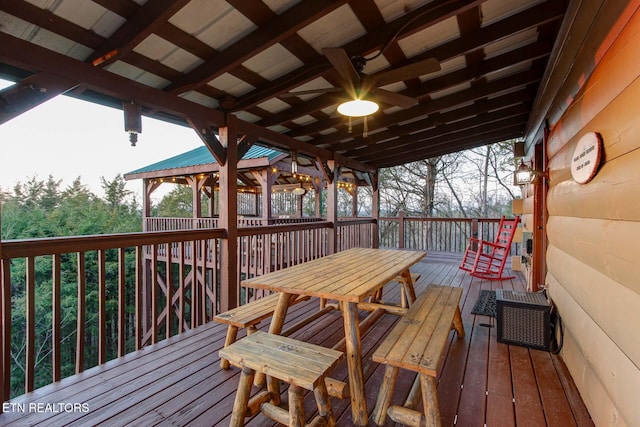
x=349 y=277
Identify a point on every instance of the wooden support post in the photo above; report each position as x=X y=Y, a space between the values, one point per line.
x=229 y=291
x=375 y=211
x=540 y=189
x=401 y=229
x=332 y=206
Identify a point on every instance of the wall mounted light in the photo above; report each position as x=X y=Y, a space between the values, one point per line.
x=132 y=120
x=523 y=174
x=526 y=174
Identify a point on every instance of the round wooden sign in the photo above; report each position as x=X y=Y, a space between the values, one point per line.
x=586 y=157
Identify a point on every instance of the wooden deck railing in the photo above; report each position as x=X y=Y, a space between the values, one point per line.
x=75 y=302
x=434 y=234
x=173 y=224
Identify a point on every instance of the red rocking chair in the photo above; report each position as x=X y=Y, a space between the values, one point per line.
x=486 y=260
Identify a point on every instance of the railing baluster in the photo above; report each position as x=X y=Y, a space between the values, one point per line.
x=102 y=307
x=5 y=346
x=55 y=318
x=154 y=294
x=169 y=291
x=30 y=325
x=121 y=302
x=81 y=316
x=138 y=296
x=181 y=289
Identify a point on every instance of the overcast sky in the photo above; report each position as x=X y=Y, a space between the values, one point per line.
x=67 y=138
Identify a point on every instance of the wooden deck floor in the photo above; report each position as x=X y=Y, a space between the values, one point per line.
x=179 y=381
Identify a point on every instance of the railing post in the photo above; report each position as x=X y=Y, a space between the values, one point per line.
x=401 y=229
x=474 y=232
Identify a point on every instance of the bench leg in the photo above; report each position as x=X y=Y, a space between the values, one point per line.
x=273 y=386
x=430 y=400
x=457 y=323
x=414 y=396
x=379 y=414
x=296 y=406
x=324 y=404
x=242 y=398
x=232 y=334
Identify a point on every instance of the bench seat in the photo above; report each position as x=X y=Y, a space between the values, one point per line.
x=248 y=316
x=302 y=365
x=417 y=343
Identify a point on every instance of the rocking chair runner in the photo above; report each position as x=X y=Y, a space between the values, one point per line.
x=486 y=260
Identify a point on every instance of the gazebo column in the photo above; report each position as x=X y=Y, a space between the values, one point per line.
x=266 y=178
x=196 y=198
x=229 y=291
x=146 y=201
x=354 y=201
x=318 y=186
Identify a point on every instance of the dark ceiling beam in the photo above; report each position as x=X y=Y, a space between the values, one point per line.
x=150 y=16
x=276 y=30
x=450 y=133
x=124 y=8
x=487 y=35
x=450 y=118
x=451 y=147
x=19 y=53
x=429 y=15
x=527 y=53
x=29 y=93
x=468 y=95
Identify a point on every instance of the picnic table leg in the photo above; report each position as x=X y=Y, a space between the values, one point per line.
x=242 y=398
x=354 y=364
x=407 y=284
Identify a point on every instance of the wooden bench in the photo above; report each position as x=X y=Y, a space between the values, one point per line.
x=248 y=316
x=302 y=365
x=417 y=343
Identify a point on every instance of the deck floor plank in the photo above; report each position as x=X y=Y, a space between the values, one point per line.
x=179 y=381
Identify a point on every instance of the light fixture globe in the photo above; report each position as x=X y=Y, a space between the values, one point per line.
x=523 y=174
x=358 y=108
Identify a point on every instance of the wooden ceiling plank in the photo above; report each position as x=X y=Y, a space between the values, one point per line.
x=480 y=38
x=446 y=102
x=398 y=132
x=473 y=141
x=283 y=26
x=22 y=54
x=361 y=46
x=52 y=22
x=474 y=126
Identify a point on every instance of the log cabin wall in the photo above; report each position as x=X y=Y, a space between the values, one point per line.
x=593 y=229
